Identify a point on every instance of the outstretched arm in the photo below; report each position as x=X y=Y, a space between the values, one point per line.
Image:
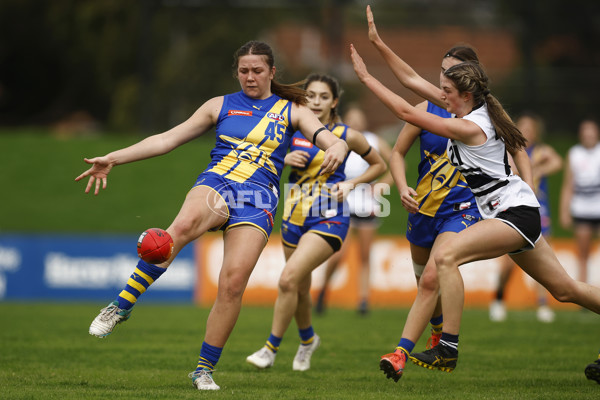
x=452 y=128
x=200 y=122
x=403 y=72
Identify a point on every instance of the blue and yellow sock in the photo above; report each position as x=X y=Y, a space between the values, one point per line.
x=273 y=343
x=306 y=335
x=406 y=346
x=144 y=275
x=437 y=324
x=209 y=357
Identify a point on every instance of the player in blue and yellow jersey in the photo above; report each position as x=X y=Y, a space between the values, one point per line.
x=441 y=205
x=237 y=193
x=365 y=206
x=545 y=161
x=315 y=221
x=481 y=136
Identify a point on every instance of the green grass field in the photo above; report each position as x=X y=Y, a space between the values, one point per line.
x=46 y=353
x=40 y=194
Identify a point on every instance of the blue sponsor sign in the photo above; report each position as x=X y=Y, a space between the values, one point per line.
x=84 y=267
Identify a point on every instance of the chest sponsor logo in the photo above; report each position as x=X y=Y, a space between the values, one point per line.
x=276 y=117
x=240 y=112
x=302 y=143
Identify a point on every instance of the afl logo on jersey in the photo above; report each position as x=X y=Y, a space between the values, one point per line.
x=240 y=112
x=302 y=143
x=276 y=117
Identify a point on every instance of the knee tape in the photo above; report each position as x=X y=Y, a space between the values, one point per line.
x=418 y=268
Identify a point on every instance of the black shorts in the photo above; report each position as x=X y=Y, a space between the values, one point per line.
x=525 y=220
x=368 y=221
x=593 y=223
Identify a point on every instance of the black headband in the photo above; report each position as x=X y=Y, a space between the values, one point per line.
x=455 y=56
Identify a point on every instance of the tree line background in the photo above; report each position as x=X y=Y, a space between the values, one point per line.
x=143 y=66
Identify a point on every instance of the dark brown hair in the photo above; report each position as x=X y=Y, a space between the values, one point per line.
x=463 y=52
x=291 y=92
x=333 y=85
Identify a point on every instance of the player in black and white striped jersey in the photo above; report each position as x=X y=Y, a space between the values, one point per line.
x=580 y=192
x=480 y=138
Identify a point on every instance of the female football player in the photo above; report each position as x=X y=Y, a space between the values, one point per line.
x=480 y=137
x=315 y=221
x=254 y=128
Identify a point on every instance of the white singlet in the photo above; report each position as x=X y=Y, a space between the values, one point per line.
x=360 y=200
x=487 y=171
x=585 y=166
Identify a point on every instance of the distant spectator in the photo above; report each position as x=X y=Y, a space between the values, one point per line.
x=580 y=196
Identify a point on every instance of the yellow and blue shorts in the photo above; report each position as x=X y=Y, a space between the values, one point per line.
x=333 y=230
x=248 y=203
x=423 y=229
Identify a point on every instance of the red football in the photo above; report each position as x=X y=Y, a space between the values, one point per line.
x=155 y=246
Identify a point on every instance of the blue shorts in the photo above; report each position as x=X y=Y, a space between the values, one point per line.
x=248 y=203
x=422 y=229
x=545 y=219
x=333 y=230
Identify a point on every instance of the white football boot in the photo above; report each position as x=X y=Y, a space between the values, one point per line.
x=263 y=358
x=203 y=380
x=304 y=353
x=108 y=318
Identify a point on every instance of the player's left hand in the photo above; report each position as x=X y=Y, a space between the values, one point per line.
x=296 y=158
x=334 y=156
x=98 y=173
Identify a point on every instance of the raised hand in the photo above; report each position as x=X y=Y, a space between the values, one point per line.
x=359 y=65
x=373 y=35
x=98 y=173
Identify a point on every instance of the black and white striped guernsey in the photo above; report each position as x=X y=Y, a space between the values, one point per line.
x=487 y=171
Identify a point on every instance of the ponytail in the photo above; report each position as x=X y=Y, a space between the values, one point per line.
x=504 y=125
x=470 y=77
x=293 y=92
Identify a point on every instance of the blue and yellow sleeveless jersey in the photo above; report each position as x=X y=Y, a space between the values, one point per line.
x=252 y=138
x=309 y=199
x=441 y=188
